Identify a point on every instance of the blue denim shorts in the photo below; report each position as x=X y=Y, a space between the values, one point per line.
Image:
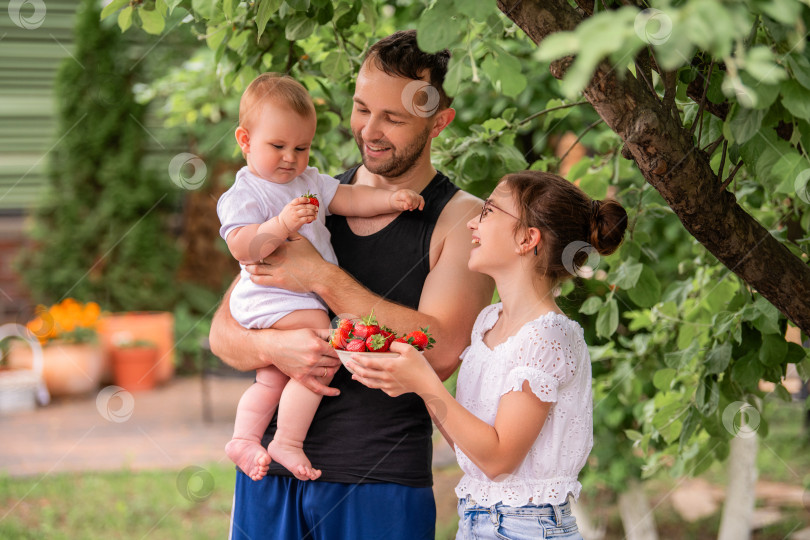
x=531 y=522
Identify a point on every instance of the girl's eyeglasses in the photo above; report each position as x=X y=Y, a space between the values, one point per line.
x=488 y=206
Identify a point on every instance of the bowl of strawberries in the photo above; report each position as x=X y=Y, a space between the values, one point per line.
x=367 y=337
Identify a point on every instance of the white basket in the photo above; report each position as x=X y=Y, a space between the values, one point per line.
x=20 y=389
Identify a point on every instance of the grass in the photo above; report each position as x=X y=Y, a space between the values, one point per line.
x=125 y=504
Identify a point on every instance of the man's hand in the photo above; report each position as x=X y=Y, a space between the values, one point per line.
x=295 y=266
x=306 y=355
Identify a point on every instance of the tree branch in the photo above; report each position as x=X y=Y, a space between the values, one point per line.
x=663 y=150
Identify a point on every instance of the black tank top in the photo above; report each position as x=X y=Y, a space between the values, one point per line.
x=363 y=435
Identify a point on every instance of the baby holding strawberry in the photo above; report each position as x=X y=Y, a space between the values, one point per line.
x=276 y=196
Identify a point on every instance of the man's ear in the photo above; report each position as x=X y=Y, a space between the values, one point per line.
x=243 y=139
x=530 y=241
x=441 y=120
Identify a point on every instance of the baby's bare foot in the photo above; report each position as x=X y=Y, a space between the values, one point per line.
x=293 y=459
x=249 y=456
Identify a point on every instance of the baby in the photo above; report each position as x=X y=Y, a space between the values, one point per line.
x=265 y=205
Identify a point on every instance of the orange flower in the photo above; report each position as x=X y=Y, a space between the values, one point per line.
x=68 y=320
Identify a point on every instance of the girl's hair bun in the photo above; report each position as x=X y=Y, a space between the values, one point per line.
x=608 y=223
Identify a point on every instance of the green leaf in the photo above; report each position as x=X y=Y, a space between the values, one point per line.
x=171 y=4
x=203 y=8
x=767 y=320
x=298 y=5
x=773 y=351
x=336 y=65
x=633 y=435
x=439 y=27
x=627 y=274
x=267 y=8
x=505 y=70
x=647 y=291
x=125 y=18
x=782 y=393
x=744 y=123
x=707 y=396
x=557 y=45
x=760 y=64
x=455 y=72
x=721 y=294
x=112 y=7
x=595 y=182
x=679 y=359
x=718 y=358
x=299 y=27
x=747 y=371
x=153 y=22
x=608 y=319
x=591 y=305
x=800 y=67
x=663 y=378
x=796 y=99
x=229 y=9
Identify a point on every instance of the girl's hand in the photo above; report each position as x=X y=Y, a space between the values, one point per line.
x=406 y=199
x=408 y=372
x=298 y=213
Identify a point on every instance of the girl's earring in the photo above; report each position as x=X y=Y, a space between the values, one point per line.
x=535 y=251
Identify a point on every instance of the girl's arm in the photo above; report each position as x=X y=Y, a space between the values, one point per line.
x=254 y=242
x=496 y=450
x=367 y=201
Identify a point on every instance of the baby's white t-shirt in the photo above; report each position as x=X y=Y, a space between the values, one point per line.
x=253 y=200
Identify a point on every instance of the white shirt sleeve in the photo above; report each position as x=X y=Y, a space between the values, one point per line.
x=546 y=360
x=238 y=207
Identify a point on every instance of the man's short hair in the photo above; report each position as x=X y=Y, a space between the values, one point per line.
x=398 y=55
x=278 y=88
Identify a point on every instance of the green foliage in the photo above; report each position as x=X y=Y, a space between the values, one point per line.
x=677 y=341
x=100 y=232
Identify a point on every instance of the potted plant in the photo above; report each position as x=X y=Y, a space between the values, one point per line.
x=134 y=362
x=71 y=356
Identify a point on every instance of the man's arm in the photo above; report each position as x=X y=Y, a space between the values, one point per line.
x=300 y=354
x=451 y=298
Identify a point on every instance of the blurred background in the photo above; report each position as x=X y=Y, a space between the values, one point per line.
x=116 y=139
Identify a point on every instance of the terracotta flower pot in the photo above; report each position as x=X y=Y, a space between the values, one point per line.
x=67 y=368
x=134 y=368
x=154 y=326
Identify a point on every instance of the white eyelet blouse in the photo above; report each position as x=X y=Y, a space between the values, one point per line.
x=550 y=353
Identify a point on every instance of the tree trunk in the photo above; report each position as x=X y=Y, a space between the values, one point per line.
x=742 y=481
x=663 y=150
x=637 y=518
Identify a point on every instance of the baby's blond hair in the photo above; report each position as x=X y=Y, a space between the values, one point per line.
x=278 y=88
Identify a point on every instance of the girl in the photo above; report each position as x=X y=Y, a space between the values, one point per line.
x=522 y=422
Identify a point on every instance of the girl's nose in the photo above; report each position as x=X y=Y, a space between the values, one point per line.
x=473 y=223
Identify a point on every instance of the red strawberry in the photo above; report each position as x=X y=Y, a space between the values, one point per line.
x=421 y=339
x=342 y=334
x=313 y=198
x=389 y=334
x=356 y=345
x=377 y=343
x=366 y=327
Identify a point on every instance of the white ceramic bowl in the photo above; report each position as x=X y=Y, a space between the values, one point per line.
x=345 y=356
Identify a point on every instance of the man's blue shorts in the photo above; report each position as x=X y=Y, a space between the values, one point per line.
x=286 y=509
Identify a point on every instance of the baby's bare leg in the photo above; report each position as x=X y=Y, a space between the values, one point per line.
x=297 y=406
x=253 y=413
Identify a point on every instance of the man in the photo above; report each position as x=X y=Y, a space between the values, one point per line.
x=374 y=451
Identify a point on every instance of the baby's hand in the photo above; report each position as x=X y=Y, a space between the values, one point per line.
x=297 y=213
x=406 y=199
